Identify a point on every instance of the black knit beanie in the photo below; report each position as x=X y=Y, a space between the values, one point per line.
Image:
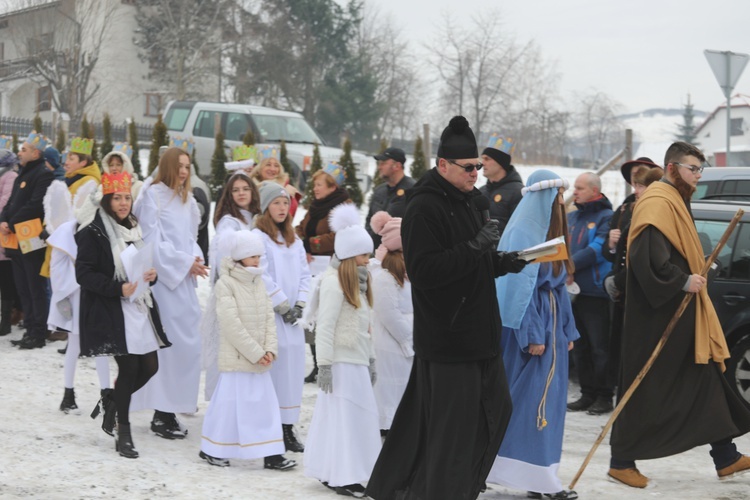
x=457 y=140
x=500 y=157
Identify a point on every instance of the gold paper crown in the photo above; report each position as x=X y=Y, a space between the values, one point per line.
x=81 y=146
x=244 y=152
x=116 y=183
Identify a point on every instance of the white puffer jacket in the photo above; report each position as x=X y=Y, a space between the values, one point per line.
x=247 y=325
x=342 y=333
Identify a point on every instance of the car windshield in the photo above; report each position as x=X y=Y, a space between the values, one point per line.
x=274 y=128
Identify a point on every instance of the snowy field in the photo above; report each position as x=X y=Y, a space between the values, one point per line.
x=46 y=454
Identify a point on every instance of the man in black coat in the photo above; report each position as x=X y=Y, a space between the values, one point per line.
x=454 y=412
x=390 y=196
x=26 y=204
x=503 y=187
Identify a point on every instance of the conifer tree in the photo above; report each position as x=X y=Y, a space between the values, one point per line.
x=15 y=142
x=159 y=138
x=284 y=160
x=315 y=165
x=351 y=184
x=218 y=170
x=133 y=141
x=61 y=140
x=687 y=127
x=249 y=138
x=107 y=145
x=194 y=161
x=87 y=131
x=38 y=124
x=419 y=164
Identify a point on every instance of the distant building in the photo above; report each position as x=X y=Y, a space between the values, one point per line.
x=711 y=134
x=122 y=76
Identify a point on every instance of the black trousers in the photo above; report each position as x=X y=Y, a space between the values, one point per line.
x=8 y=282
x=32 y=290
x=591 y=351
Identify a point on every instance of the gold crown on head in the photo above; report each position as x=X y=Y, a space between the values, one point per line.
x=116 y=183
x=81 y=146
x=244 y=152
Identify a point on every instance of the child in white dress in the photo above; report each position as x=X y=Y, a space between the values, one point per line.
x=243 y=419
x=343 y=442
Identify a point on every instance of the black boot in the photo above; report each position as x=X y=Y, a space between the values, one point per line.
x=290 y=439
x=69 y=401
x=63 y=350
x=124 y=442
x=278 y=462
x=167 y=426
x=6 y=310
x=582 y=404
x=109 y=408
x=601 y=406
x=313 y=377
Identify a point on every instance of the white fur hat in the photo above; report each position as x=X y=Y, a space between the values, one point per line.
x=243 y=244
x=351 y=237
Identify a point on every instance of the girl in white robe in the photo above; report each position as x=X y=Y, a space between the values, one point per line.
x=169 y=217
x=343 y=443
x=243 y=419
x=234 y=211
x=393 y=318
x=287 y=278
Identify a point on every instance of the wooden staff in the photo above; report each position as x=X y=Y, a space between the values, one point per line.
x=659 y=346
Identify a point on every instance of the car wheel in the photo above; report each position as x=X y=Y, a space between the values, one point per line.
x=738 y=369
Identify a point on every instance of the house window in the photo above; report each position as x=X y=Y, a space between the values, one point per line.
x=153 y=104
x=737 y=127
x=3 y=24
x=39 y=44
x=43 y=99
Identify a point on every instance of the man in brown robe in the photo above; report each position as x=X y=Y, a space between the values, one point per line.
x=684 y=401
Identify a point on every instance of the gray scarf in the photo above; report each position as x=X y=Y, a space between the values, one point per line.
x=362 y=273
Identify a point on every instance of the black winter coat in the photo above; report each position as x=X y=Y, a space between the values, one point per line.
x=504 y=196
x=102 y=323
x=26 y=200
x=456 y=316
x=620 y=220
x=388 y=199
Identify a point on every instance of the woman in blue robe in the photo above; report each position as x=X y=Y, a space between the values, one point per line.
x=538 y=332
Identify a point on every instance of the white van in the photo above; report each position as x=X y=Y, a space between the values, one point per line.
x=196 y=121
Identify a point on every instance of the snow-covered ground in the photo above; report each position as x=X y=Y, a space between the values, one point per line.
x=46 y=454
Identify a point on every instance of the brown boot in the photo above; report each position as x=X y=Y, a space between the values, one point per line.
x=630 y=477
x=741 y=466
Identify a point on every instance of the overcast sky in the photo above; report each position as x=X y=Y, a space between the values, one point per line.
x=643 y=53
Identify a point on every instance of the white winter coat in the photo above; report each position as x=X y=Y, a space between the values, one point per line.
x=247 y=327
x=342 y=334
x=394 y=315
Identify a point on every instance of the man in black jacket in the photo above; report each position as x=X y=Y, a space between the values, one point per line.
x=390 y=196
x=452 y=417
x=25 y=204
x=503 y=187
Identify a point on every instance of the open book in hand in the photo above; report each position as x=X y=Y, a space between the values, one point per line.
x=549 y=251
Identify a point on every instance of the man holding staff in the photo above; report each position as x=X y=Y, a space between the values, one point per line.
x=684 y=401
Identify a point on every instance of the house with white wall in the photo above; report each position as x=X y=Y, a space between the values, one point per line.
x=711 y=134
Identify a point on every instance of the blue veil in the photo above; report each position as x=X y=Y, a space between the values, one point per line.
x=527 y=227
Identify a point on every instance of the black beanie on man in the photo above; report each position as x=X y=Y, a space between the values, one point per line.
x=501 y=157
x=457 y=141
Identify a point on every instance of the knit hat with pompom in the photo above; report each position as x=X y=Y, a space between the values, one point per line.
x=457 y=141
x=389 y=229
x=351 y=237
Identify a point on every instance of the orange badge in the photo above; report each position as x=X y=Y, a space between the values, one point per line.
x=591 y=225
x=400 y=192
x=498 y=197
x=23 y=184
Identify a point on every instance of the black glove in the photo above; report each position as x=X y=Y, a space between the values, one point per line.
x=290 y=316
x=510 y=263
x=487 y=238
x=44 y=234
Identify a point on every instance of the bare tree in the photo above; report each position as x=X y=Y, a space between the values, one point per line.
x=181 y=40
x=477 y=67
x=598 y=125
x=393 y=64
x=61 y=42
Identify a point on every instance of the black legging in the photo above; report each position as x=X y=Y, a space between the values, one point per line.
x=134 y=371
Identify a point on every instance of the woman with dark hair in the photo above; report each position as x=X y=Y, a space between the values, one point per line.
x=110 y=322
x=538 y=332
x=316 y=234
x=169 y=216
